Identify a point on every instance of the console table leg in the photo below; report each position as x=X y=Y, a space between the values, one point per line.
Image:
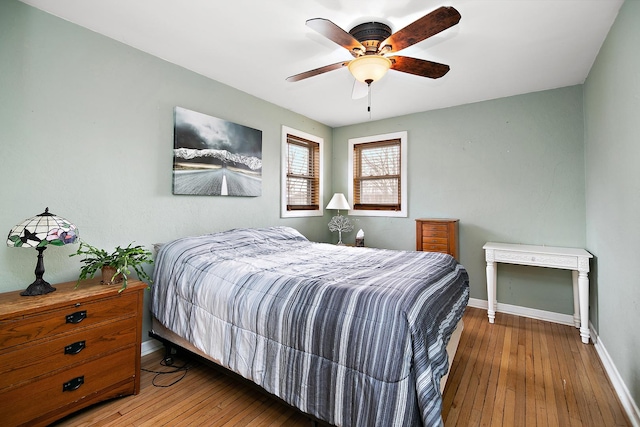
x=583 y=290
x=491 y=291
x=576 y=299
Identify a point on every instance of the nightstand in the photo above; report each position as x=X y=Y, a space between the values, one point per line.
x=66 y=350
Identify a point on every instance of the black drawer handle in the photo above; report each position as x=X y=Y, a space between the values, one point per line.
x=77 y=317
x=74 y=384
x=74 y=348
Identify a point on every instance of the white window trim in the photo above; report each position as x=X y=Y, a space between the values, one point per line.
x=284 y=213
x=403 y=174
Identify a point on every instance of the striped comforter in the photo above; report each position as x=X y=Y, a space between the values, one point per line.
x=353 y=336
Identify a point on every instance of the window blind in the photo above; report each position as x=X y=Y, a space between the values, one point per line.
x=376 y=178
x=303 y=174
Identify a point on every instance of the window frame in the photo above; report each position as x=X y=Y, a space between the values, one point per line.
x=402 y=213
x=284 y=162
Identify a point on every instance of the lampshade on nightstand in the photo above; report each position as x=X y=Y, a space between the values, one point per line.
x=338 y=201
x=39 y=232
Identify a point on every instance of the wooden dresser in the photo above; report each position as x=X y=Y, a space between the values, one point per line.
x=68 y=349
x=437 y=235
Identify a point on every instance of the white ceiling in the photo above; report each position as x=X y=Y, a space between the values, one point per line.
x=500 y=47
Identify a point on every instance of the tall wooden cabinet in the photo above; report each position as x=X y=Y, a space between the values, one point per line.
x=66 y=350
x=437 y=235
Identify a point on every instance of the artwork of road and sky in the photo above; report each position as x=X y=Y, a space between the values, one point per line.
x=214 y=157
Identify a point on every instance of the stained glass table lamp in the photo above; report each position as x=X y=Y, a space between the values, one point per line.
x=39 y=232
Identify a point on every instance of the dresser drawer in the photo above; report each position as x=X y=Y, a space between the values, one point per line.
x=442 y=241
x=430 y=247
x=37 y=359
x=435 y=230
x=38 y=398
x=80 y=315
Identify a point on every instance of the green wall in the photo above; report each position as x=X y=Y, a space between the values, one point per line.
x=612 y=130
x=512 y=170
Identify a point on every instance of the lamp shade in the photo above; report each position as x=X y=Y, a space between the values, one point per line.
x=42 y=230
x=369 y=68
x=338 y=201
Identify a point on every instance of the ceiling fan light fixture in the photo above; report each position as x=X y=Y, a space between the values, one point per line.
x=369 y=68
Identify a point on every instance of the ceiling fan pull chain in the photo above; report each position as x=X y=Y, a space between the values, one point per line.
x=369 y=99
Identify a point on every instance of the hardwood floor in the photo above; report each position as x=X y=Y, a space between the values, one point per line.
x=204 y=397
x=526 y=372
x=516 y=372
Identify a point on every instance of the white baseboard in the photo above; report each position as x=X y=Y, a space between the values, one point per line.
x=150 y=346
x=621 y=389
x=533 y=313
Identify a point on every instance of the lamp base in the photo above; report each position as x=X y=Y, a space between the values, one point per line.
x=39 y=287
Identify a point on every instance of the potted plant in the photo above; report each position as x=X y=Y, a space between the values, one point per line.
x=115 y=266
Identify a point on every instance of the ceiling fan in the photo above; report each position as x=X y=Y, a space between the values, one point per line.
x=372 y=44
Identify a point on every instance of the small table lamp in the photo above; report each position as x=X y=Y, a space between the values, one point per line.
x=39 y=232
x=339 y=223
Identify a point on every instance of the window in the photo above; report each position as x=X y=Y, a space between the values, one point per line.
x=378 y=175
x=301 y=174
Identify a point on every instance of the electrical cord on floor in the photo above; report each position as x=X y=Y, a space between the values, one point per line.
x=168 y=361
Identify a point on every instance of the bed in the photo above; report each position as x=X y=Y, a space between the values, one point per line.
x=352 y=336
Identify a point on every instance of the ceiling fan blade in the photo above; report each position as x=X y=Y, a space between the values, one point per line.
x=335 y=34
x=317 y=71
x=419 y=67
x=360 y=89
x=425 y=27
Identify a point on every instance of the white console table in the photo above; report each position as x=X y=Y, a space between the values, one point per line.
x=574 y=259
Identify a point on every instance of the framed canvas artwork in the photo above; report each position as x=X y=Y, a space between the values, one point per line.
x=215 y=157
